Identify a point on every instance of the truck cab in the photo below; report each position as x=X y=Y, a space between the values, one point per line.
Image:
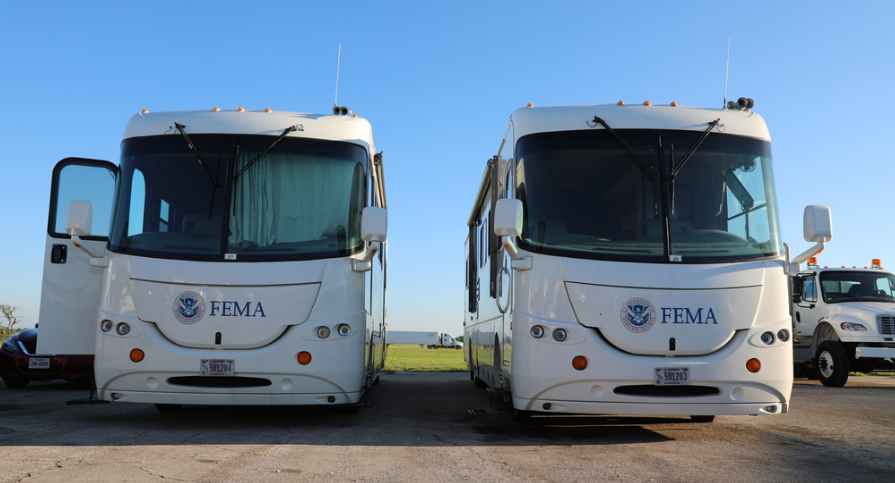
x=843 y=321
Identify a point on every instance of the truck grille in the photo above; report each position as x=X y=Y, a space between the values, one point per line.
x=886 y=325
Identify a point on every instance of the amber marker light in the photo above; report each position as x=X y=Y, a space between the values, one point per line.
x=579 y=363
x=620 y=103
x=216 y=109
x=673 y=104
x=304 y=358
x=137 y=355
x=752 y=365
x=529 y=104
x=267 y=109
x=145 y=111
x=241 y=109
x=646 y=103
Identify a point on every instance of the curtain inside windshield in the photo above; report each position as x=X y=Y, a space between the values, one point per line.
x=301 y=200
x=584 y=197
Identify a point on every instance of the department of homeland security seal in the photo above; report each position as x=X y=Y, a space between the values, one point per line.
x=189 y=308
x=638 y=315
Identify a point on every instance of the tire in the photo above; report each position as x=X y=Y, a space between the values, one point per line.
x=831 y=362
x=168 y=408
x=16 y=382
x=702 y=419
x=478 y=383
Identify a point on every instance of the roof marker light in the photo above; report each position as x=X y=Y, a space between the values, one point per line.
x=216 y=109
x=673 y=104
x=240 y=109
x=144 y=111
x=876 y=263
x=354 y=115
x=646 y=103
x=529 y=104
x=620 y=103
x=267 y=109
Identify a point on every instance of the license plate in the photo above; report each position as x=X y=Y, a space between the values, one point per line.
x=39 y=363
x=672 y=376
x=217 y=367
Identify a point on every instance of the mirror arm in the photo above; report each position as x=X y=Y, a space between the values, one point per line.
x=76 y=241
x=819 y=247
x=366 y=263
x=519 y=262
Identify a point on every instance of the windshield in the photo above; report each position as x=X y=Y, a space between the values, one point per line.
x=301 y=200
x=584 y=197
x=866 y=286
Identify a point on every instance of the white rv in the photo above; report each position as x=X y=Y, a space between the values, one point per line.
x=626 y=259
x=230 y=257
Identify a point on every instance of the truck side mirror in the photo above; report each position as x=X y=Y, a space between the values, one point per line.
x=508 y=217
x=79 y=220
x=374 y=224
x=817 y=223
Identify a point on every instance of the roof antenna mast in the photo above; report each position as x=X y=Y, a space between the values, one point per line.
x=726 y=75
x=336 y=108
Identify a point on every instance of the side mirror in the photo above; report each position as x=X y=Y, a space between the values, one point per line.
x=818 y=223
x=374 y=224
x=80 y=218
x=508 y=217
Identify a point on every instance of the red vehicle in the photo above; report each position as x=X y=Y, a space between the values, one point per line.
x=19 y=364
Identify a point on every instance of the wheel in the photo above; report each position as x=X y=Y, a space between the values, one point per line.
x=479 y=384
x=702 y=419
x=520 y=415
x=831 y=362
x=16 y=382
x=458 y=348
x=168 y=408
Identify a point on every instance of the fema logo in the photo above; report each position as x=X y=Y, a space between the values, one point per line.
x=638 y=315
x=189 y=308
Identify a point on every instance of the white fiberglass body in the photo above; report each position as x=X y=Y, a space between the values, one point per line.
x=646 y=275
x=235 y=268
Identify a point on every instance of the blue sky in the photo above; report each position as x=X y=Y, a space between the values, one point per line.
x=438 y=81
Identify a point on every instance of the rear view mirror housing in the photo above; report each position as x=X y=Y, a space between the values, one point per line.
x=374 y=224
x=508 y=217
x=817 y=223
x=79 y=220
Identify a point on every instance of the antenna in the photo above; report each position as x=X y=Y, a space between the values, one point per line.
x=726 y=75
x=339 y=64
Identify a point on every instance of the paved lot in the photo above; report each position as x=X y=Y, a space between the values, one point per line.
x=418 y=429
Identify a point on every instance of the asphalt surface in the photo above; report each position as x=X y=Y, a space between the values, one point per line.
x=419 y=429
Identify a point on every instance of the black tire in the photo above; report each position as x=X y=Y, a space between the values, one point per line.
x=478 y=383
x=168 y=408
x=831 y=362
x=16 y=382
x=702 y=419
x=520 y=415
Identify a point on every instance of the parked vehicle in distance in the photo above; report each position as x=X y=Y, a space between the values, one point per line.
x=627 y=259
x=431 y=340
x=20 y=363
x=843 y=321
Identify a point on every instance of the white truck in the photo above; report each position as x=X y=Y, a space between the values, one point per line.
x=432 y=340
x=843 y=321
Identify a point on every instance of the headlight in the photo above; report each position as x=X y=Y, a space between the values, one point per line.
x=107 y=325
x=10 y=345
x=783 y=335
x=344 y=329
x=767 y=338
x=560 y=335
x=537 y=332
x=323 y=332
x=852 y=326
x=123 y=329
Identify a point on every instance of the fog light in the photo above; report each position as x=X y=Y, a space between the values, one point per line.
x=323 y=332
x=783 y=335
x=546 y=406
x=767 y=338
x=123 y=329
x=560 y=335
x=344 y=329
x=116 y=396
x=137 y=355
x=537 y=332
x=752 y=365
x=770 y=409
x=304 y=358
x=579 y=363
x=107 y=325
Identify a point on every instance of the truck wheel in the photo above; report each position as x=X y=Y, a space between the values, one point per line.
x=478 y=383
x=832 y=364
x=16 y=382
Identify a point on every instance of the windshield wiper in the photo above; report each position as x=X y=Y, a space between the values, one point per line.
x=180 y=127
x=254 y=160
x=680 y=164
x=633 y=156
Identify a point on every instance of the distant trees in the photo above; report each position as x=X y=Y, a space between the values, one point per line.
x=459 y=338
x=9 y=312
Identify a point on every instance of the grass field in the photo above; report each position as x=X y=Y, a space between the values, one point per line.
x=413 y=358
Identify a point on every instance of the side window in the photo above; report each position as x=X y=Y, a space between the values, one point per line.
x=884 y=286
x=78 y=182
x=138 y=204
x=809 y=289
x=164 y=215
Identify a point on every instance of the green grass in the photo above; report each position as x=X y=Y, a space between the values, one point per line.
x=413 y=358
